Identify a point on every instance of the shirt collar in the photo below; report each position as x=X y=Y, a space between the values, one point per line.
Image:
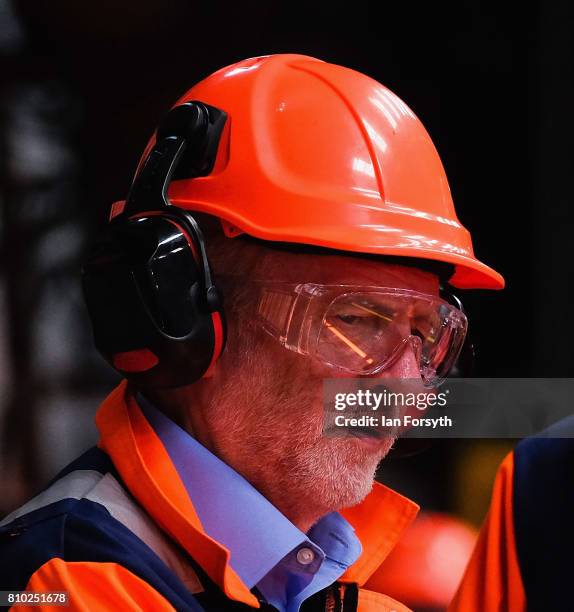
x=230 y=509
x=149 y=472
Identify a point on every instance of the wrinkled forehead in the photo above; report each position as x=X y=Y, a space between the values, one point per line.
x=341 y=269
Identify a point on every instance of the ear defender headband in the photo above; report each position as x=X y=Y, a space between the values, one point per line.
x=156 y=313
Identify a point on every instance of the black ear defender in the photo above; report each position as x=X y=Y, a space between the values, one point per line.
x=156 y=313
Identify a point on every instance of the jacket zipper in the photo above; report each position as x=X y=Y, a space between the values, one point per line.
x=331 y=600
x=342 y=588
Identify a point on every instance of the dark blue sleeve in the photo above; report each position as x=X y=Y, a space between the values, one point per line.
x=543 y=490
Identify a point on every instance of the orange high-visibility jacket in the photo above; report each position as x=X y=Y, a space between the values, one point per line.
x=117 y=530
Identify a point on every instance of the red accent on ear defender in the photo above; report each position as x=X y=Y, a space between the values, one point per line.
x=135 y=361
x=117 y=209
x=187 y=237
x=159 y=213
x=218 y=344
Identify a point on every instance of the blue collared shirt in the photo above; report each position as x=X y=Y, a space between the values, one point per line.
x=266 y=550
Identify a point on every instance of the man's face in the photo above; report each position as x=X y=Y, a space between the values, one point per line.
x=265 y=413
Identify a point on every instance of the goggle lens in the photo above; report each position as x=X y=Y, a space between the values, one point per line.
x=365 y=333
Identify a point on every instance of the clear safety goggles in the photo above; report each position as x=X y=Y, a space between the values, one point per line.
x=363 y=330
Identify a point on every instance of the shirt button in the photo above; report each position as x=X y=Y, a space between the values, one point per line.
x=305 y=556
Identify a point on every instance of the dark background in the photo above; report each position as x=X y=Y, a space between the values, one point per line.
x=83 y=85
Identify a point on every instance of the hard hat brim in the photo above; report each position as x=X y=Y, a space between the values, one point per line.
x=369 y=238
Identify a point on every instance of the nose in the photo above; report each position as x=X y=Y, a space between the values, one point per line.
x=407 y=364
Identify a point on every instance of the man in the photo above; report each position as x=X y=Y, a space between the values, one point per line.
x=327 y=227
x=522 y=559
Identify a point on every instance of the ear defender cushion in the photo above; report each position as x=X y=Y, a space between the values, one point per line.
x=145 y=290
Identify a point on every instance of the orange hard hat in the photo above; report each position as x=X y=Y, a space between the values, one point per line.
x=318 y=154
